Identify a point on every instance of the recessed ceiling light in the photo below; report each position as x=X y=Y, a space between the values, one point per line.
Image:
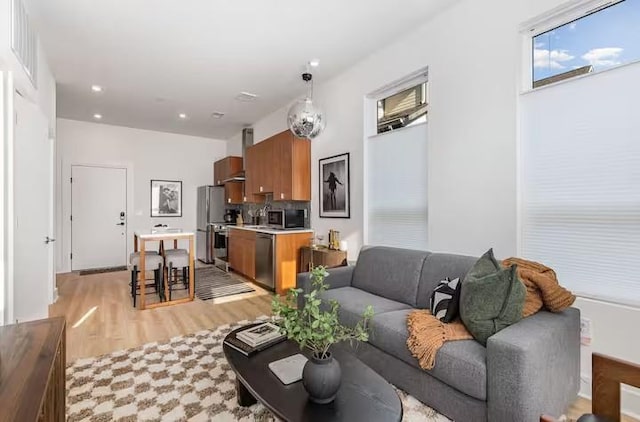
x=97 y=116
x=96 y=88
x=314 y=63
x=246 y=97
x=183 y=116
x=217 y=115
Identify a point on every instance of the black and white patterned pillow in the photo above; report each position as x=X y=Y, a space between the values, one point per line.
x=445 y=300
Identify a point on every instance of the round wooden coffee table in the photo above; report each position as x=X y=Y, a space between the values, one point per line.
x=363 y=396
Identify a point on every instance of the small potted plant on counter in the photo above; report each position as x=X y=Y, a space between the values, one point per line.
x=316 y=327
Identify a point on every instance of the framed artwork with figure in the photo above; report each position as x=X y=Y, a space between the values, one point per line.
x=166 y=198
x=335 y=201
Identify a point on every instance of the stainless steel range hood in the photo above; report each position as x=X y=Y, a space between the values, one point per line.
x=247 y=141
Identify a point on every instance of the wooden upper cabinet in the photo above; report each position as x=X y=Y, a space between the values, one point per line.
x=266 y=166
x=294 y=169
x=225 y=169
x=251 y=175
x=281 y=166
x=234 y=192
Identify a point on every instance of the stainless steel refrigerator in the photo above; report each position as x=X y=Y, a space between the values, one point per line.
x=210 y=214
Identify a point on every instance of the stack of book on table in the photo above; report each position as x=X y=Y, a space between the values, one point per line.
x=255 y=339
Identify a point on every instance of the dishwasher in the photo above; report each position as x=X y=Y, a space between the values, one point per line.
x=265 y=255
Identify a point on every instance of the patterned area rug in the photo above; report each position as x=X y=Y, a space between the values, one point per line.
x=184 y=379
x=212 y=282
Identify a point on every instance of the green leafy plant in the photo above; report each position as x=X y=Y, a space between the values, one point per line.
x=313 y=327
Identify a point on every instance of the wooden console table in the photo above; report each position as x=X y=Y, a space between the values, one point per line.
x=32 y=371
x=160 y=235
x=321 y=256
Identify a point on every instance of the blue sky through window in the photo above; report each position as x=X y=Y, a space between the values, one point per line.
x=604 y=39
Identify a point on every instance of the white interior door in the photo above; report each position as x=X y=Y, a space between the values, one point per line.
x=98 y=217
x=33 y=252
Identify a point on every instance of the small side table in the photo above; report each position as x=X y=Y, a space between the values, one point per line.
x=321 y=256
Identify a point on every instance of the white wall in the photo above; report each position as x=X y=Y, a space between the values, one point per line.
x=45 y=98
x=464 y=89
x=473 y=53
x=146 y=155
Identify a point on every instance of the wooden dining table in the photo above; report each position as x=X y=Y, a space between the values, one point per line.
x=140 y=237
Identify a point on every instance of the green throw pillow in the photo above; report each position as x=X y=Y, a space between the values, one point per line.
x=491 y=298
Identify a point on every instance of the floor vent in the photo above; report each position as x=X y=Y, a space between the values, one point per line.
x=24 y=41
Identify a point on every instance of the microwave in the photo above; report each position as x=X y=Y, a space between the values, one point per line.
x=285 y=219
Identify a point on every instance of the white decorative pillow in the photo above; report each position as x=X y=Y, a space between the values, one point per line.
x=445 y=300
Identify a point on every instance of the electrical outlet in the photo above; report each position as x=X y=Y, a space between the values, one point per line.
x=586 y=335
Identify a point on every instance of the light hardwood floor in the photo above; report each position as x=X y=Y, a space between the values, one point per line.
x=100 y=318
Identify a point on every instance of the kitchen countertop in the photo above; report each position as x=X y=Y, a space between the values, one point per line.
x=160 y=233
x=269 y=230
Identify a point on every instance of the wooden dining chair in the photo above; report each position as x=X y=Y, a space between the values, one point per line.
x=608 y=375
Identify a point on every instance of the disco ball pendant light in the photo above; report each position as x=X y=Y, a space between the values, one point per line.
x=304 y=118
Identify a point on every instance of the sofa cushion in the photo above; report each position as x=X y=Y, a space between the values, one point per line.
x=445 y=299
x=460 y=364
x=389 y=272
x=491 y=299
x=437 y=267
x=354 y=301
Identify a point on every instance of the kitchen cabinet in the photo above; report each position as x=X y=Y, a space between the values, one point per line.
x=226 y=168
x=287 y=261
x=241 y=249
x=234 y=192
x=293 y=168
x=251 y=175
x=265 y=167
x=281 y=166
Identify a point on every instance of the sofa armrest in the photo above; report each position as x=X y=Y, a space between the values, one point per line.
x=338 y=277
x=533 y=367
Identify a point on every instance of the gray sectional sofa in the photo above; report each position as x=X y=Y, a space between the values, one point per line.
x=528 y=369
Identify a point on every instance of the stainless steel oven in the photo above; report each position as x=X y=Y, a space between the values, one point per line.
x=212 y=245
x=220 y=241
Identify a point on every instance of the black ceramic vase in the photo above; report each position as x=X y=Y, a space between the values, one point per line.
x=321 y=378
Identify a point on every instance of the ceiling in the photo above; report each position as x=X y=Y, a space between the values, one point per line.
x=158 y=58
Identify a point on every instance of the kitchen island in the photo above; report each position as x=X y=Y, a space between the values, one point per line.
x=267 y=256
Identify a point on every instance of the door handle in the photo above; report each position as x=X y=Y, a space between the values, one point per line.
x=120 y=224
x=48 y=240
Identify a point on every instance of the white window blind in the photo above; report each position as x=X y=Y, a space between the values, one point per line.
x=581 y=182
x=397 y=188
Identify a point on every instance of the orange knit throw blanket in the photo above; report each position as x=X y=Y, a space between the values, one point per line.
x=427 y=334
x=542 y=287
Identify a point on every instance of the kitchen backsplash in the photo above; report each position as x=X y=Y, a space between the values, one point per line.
x=287 y=205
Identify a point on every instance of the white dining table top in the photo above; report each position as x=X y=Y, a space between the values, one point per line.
x=160 y=233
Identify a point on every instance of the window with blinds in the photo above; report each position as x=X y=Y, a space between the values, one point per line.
x=580 y=160
x=24 y=41
x=403 y=109
x=397 y=188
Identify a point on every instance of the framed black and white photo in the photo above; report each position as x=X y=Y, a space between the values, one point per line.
x=166 y=198
x=335 y=201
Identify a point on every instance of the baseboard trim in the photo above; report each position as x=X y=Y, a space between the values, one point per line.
x=630 y=401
